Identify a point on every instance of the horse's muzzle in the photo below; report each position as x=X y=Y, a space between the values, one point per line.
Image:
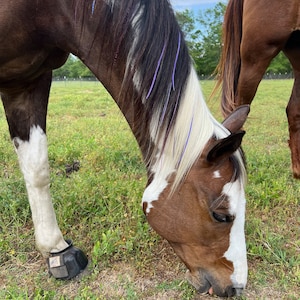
x=230 y=291
x=205 y=286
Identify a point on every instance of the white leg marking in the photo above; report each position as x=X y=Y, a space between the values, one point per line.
x=237 y=252
x=33 y=160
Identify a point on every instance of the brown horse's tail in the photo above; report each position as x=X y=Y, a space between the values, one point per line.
x=228 y=69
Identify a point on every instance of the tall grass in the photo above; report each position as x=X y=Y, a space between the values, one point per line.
x=99 y=208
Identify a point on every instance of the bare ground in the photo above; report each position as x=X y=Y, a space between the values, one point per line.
x=150 y=282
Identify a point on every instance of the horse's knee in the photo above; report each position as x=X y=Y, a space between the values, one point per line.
x=33 y=158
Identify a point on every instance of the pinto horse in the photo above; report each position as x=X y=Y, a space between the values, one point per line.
x=195 y=192
x=254 y=32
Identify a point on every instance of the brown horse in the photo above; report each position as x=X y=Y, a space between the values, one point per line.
x=254 y=32
x=195 y=193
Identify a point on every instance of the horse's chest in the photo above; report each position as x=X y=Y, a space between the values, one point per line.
x=21 y=67
x=19 y=54
x=23 y=58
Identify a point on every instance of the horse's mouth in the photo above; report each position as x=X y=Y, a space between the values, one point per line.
x=204 y=286
x=199 y=282
x=229 y=292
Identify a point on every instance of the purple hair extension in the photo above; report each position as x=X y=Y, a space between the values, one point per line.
x=186 y=143
x=170 y=123
x=175 y=108
x=156 y=71
x=93 y=6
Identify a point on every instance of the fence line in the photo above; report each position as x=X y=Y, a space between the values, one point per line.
x=201 y=77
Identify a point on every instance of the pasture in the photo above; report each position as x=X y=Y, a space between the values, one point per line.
x=99 y=206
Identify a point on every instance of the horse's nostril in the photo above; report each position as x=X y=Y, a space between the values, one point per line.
x=238 y=291
x=234 y=291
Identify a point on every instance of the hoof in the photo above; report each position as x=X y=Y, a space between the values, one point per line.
x=296 y=174
x=67 y=263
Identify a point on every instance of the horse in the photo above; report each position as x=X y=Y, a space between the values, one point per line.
x=194 y=196
x=254 y=32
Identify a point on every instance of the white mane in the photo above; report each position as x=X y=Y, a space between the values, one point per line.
x=193 y=128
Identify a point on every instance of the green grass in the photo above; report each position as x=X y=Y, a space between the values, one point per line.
x=99 y=206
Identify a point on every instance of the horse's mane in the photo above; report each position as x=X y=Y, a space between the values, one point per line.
x=160 y=69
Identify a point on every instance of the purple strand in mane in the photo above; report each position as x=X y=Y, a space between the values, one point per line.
x=158 y=54
x=186 y=143
x=156 y=71
x=162 y=117
x=171 y=122
x=176 y=59
x=173 y=80
x=93 y=6
x=174 y=111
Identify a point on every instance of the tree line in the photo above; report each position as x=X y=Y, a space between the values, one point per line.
x=203 y=35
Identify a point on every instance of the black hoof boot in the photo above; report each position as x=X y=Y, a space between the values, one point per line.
x=67 y=263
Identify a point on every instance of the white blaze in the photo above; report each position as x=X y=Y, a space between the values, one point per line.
x=237 y=252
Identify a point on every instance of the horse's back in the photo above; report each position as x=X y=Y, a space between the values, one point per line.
x=270 y=21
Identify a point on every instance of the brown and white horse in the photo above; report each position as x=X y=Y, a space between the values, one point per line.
x=254 y=32
x=195 y=193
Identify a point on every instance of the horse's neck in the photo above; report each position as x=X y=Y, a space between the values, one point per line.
x=102 y=44
x=92 y=37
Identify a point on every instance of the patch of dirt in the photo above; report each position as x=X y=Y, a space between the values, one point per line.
x=154 y=281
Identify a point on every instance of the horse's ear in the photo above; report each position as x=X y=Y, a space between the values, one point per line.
x=237 y=118
x=225 y=147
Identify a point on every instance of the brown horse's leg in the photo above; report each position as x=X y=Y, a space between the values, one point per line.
x=254 y=62
x=26 y=110
x=293 y=111
x=293 y=114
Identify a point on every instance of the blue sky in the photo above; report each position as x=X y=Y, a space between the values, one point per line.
x=194 y=5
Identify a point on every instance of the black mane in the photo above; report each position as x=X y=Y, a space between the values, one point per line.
x=149 y=30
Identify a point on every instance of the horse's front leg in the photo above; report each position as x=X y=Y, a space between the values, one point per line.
x=26 y=111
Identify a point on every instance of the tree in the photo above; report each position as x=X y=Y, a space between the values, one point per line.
x=187 y=23
x=204 y=38
x=207 y=48
x=73 y=68
x=280 y=64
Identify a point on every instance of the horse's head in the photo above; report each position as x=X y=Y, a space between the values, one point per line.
x=203 y=220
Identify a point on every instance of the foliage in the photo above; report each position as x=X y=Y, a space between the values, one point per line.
x=73 y=68
x=204 y=38
x=280 y=65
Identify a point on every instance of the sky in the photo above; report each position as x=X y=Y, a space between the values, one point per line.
x=194 y=5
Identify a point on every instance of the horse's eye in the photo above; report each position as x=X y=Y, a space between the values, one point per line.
x=222 y=218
